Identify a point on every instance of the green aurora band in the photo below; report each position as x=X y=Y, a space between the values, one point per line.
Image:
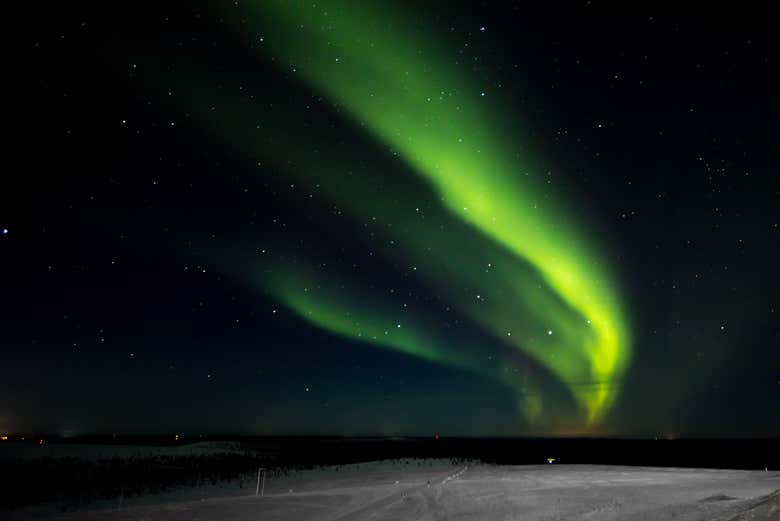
x=482 y=232
x=408 y=94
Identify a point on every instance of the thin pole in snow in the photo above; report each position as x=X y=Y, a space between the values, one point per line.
x=258 y=490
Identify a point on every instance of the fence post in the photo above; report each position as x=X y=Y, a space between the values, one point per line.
x=260 y=490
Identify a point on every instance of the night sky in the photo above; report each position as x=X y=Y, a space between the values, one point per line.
x=370 y=218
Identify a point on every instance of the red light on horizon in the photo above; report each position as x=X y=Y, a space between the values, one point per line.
x=435 y=436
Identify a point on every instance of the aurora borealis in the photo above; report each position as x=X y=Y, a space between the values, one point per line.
x=565 y=314
x=383 y=218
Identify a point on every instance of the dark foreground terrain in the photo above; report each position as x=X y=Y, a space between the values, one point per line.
x=171 y=478
x=487 y=492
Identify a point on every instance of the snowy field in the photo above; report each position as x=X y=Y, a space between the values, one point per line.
x=409 y=490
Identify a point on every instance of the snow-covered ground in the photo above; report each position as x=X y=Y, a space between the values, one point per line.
x=400 y=490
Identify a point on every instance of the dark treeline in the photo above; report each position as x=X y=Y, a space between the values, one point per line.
x=756 y=454
x=70 y=482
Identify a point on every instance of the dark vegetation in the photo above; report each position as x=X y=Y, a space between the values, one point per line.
x=70 y=482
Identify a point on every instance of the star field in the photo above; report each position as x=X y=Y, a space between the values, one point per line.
x=276 y=218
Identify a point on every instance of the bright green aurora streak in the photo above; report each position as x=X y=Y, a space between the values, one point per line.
x=491 y=240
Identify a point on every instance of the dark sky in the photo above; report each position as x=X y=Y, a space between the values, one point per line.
x=210 y=226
